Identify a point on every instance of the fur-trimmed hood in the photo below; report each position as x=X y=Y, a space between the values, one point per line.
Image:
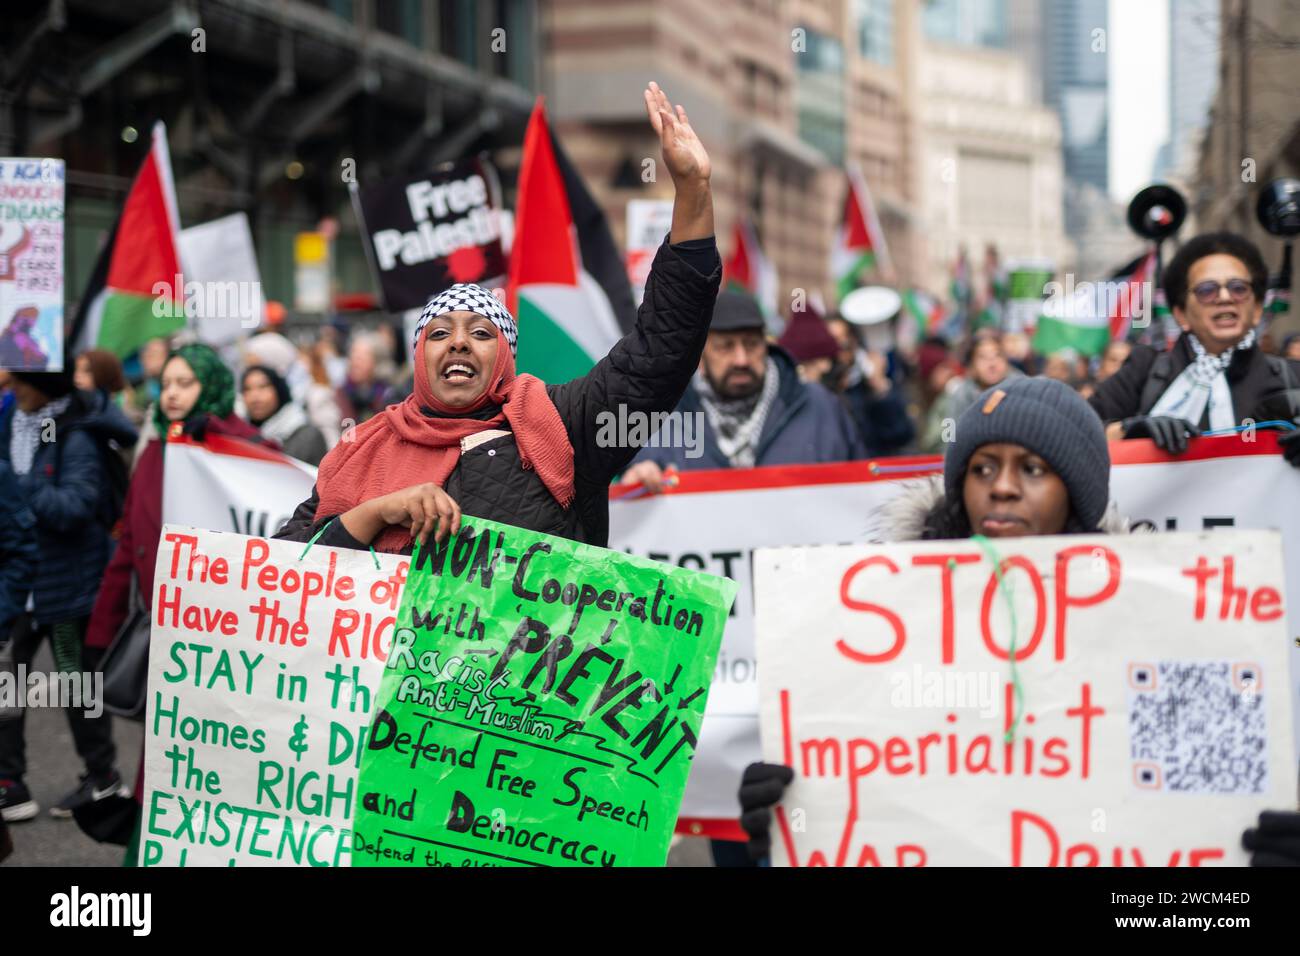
x=902 y=517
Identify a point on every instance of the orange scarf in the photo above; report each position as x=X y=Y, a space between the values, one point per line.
x=404 y=446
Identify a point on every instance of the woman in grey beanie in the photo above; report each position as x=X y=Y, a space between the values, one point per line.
x=1028 y=457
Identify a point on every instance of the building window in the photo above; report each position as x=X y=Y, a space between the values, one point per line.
x=340 y=8
x=819 y=95
x=517 y=19
x=458 y=30
x=968 y=22
x=402 y=19
x=875 y=25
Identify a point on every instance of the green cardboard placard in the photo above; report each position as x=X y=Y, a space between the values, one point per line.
x=540 y=705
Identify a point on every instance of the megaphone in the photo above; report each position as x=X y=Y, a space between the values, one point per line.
x=870 y=308
x=1157 y=212
x=1278 y=207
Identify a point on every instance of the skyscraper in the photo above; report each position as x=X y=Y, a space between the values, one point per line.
x=1074 y=84
x=1193 y=78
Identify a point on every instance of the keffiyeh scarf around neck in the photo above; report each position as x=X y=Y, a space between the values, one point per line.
x=1203 y=382
x=26 y=432
x=419 y=440
x=738 y=422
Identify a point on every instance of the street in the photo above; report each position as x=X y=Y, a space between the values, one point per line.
x=52 y=770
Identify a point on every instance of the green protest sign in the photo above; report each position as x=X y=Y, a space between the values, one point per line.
x=540 y=705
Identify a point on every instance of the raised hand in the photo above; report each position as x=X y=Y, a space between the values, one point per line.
x=684 y=154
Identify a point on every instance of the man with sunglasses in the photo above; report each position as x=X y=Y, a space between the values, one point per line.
x=1215 y=376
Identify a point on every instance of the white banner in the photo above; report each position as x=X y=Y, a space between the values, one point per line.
x=1043 y=701
x=715 y=520
x=226 y=484
x=225 y=284
x=262 y=666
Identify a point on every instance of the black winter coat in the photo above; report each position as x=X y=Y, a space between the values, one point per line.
x=69 y=492
x=806 y=425
x=1258 y=383
x=647 y=371
x=18 y=553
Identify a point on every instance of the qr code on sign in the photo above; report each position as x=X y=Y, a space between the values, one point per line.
x=1197 y=727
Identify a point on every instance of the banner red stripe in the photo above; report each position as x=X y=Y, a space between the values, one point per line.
x=714 y=829
x=237 y=447
x=1130 y=452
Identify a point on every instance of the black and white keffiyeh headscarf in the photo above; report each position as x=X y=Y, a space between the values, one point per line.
x=1202 y=383
x=468 y=297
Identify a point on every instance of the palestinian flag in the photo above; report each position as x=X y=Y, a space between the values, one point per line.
x=136 y=291
x=860 y=245
x=1277 y=302
x=1130 y=301
x=1078 y=322
x=748 y=270
x=926 y=311
x=566 y=284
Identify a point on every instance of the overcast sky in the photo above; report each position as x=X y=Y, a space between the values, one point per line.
x=1138 y=44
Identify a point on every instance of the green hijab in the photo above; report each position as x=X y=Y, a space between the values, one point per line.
x=217 y=386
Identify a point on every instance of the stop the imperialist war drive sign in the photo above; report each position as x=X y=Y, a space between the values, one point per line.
x=513 y=699
x=1060 y=701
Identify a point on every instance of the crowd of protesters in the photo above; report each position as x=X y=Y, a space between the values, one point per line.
x=391 y=429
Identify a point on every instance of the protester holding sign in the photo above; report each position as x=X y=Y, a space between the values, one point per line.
x=1216 y=376
x=1029 y=459
x=197 y=399
x=475 y=435
x=63 y=445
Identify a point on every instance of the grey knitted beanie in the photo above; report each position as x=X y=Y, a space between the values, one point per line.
x=1051 y=420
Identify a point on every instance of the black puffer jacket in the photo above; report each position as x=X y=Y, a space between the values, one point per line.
x=647 y=370
x=1258 y=382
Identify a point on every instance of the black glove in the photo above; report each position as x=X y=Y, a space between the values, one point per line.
x=761 y=788
x=1290 y=445
x=1169 y=434
x=1277 y=840
x=196 y=426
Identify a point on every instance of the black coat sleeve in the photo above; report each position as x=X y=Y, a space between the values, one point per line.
x=649 y=368
x=1120 y=396
x=302 y=526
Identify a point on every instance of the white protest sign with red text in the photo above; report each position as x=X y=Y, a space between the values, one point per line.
x=713 y=520
x=1043 y=701
x=263 y=662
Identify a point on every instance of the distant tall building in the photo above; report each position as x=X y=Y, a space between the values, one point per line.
x=1193 y=78
x=1252 y=117
x=992 y=160
x=1074 y=85
x=783 y=94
